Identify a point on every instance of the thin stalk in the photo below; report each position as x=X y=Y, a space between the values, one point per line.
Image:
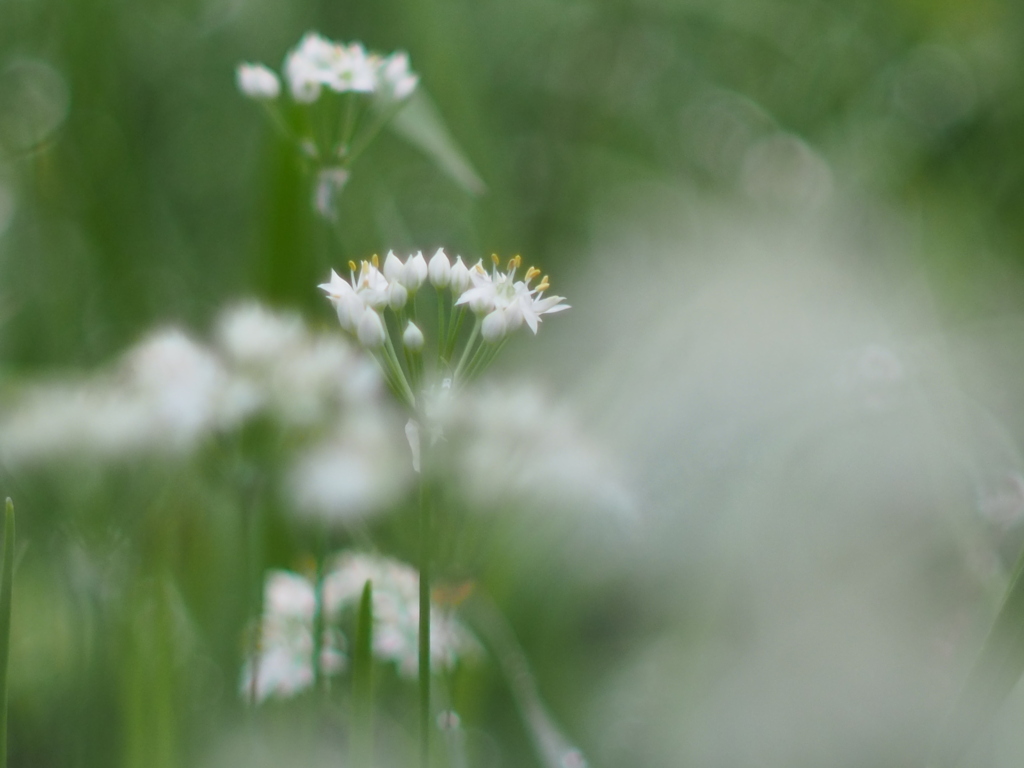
x=383 y=116
x=424 y=623
x=469 y=346
x=348 y=124
x=458 y=314
x=441 y=335
x=5 y=623
x=407 y=393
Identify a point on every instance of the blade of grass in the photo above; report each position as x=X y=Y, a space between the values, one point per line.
x=362 y=683
x=5 y=622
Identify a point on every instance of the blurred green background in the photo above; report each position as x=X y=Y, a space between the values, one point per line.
x=138 y=187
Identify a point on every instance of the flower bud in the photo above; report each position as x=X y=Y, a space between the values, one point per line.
x=459 y=278
x=513 y=318
x=257 y=82
x=350 y=312
x=393 y=268
x=439 y=269
x=397 y=296
x=415 y=272
x=494 y=326
x=413 y=337
x=370 y=332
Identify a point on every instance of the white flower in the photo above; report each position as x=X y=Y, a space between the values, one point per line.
x=395 y=611
x=359 y=470
x=317 y=62
x=252 y=335
x=368 y=289
x=394 y=77
x=439 y=270
x=516 y=300
x=257 y=82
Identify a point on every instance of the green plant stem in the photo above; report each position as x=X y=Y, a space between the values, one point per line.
x=424 y=622
x=465 y=352
x=5 y=622
x=454 y=326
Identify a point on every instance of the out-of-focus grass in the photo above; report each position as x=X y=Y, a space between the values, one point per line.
x=137 y=187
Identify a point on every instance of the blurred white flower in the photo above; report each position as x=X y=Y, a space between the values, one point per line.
x=283 y=664
x=513 y=445
x=283 y=667
x=396 y=612
x=394 y=78
x=257 y=81
x=169 y=392
x=318 y=62
x=360 y=469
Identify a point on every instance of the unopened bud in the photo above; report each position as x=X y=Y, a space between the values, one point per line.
x=439 y=269
x=370 y=332
x=413 y=337
x=393 y=267
x=415 y=272
x=458 y=278
x=494 y=326
x=397 y=295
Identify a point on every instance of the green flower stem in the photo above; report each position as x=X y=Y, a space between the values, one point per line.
x=349 y=123
x=442 y=337
x=383 y=117
x=424 y=623
x=5 y=623
x=392 y=356
x=469 y=346
x=454 y=326
x=484 y=356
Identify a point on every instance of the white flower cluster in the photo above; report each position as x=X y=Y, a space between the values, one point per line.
x=170 y=393
x=500 y=302
x=283 y=666
x=318 y=63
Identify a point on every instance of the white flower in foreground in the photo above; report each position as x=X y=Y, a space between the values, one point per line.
x=396 y=612
x=257 y=81
x=459 y=277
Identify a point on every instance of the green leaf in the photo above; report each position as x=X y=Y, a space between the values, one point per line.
x=419 y=122
x=997 y=669
x=362 y=682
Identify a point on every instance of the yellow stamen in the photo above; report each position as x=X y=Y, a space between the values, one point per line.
x=531 y=273
x=495 y=259
x=544 y=284
x=352 y=265
x=376 y=260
